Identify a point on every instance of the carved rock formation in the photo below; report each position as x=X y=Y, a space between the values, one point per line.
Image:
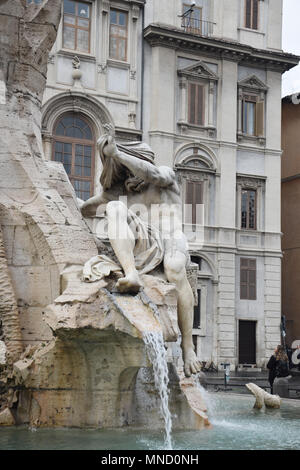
x=87 y=376
x=9 y=314
x=263 y=397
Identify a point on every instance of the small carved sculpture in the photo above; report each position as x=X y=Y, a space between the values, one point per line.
x=263 y=397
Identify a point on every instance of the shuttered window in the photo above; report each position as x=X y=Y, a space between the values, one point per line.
x=251 y=14
x=253 y=116
x=193 y=197
x=196 y=104
x=248 y=279
x=248 y=209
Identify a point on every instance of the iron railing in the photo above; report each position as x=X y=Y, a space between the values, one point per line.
x=198 y=27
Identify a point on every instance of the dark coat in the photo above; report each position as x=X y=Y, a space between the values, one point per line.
x=272 y=369
x=272 y=366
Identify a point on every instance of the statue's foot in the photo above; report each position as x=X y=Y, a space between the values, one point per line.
x=129 y=284
x=191 y=364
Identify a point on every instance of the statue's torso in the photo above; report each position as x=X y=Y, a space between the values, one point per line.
x=154 y=205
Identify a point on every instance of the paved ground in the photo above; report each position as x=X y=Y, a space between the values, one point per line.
x=238 y=380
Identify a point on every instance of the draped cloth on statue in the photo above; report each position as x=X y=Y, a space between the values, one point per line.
x=112 y=170
x=148 y=252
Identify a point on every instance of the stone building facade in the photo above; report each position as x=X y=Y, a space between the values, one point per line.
x=203 y=88
x=290 y=192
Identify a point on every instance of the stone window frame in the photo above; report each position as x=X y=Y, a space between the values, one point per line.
x=90 y=107
x=56 y=138
x=199 y=74
x=250 y=267
x=248 y=182
x=76 y=27
x=252 y=88
x=186 y=173
x=118 y=11
x=133 y=11
x=251 y=3
x=92 y=27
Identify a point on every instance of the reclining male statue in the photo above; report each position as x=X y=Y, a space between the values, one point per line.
x=129 y=172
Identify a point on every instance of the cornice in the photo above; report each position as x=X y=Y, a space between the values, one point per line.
x=167 y=36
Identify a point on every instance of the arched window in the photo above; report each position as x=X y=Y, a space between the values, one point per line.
x=74 y=146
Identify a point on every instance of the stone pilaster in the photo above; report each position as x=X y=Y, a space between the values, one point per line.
x=226 y=308
x=272 y=303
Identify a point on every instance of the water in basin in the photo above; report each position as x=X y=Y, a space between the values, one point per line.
x=236 y=425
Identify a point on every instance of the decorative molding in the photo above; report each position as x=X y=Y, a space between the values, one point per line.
x=175 y=38
x=253 y=83
x=199 y=70
x=135 y=12
x=74 y=101
x=105 y=7
x=250 y=182
x=133 y=74
x=186 y=153
x=102 y=68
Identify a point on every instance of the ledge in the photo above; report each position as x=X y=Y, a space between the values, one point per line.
x=170 y=36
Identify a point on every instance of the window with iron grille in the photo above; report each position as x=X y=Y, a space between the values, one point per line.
x=193 y=22
x=76 y=25
x=247 y=279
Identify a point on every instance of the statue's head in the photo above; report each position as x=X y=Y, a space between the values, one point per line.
x=115 y=173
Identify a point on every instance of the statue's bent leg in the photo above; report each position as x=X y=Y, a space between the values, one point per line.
x=174 y=264
x=123 y=241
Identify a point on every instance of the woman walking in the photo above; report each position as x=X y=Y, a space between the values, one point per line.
x=278 y=365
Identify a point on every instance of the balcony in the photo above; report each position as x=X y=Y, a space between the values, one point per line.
x=197 y=27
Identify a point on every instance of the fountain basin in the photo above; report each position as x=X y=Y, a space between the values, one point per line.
x=236 y=426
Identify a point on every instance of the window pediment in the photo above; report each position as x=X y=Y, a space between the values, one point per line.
x=196 y=163
x=198 y=70
x=253 y=83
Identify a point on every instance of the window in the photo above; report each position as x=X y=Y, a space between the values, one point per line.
x=251 y=16
x=248 y=279
x=197 y=260
x=193 y=22
x=194 y=197
x=73 y=145
x=197 y=311
x=118 y=35
x=196 y=104
x=76 y=26
x=252 y=116
x=248 y=209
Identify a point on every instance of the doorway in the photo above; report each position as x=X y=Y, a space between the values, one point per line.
x=247 y=342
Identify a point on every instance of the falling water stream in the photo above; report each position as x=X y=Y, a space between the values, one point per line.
x=157 y=355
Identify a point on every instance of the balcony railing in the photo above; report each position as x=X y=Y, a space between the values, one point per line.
x=198 y=27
